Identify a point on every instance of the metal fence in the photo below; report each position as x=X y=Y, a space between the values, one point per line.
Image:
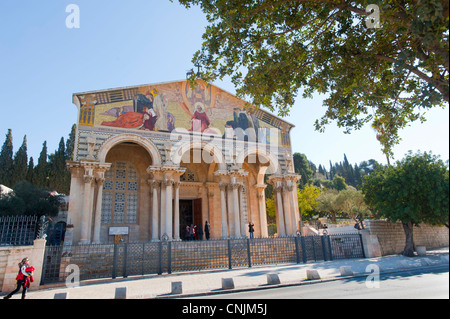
x=132 y=259
x=18 y=230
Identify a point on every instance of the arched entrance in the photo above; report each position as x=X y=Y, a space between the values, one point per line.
x=125 y=193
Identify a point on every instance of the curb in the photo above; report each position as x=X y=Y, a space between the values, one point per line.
x=300 y=283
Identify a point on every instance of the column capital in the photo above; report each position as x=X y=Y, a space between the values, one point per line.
x=223 y=186
x=89 y=179
x=169 y=182
x=235 y=185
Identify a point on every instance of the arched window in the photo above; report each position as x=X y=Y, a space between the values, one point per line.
x=120 y=194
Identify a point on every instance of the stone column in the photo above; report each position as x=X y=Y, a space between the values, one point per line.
x=230 y=211
x=176 y=211
x=87 y=209
x=169 y=208
x=280 y=214
x=236 y=218
x=162 y=215
x=210 y=195
x=260 y=191
x=294 y=214
x=155 y=212
x=98 y=210
x=223 y=209
x=241 y=209
x=287 y=209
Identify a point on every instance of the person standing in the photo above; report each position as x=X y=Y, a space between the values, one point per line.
x=187 y=234
x=251 y=229
x=207 y=230
x=200 y=232
x=191 y=232
x=24 y=278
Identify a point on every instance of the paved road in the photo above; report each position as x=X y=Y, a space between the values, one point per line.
x=412 y=284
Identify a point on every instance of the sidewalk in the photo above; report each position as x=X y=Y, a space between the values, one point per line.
x=200 y=283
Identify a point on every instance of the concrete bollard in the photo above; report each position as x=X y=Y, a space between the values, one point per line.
x=273 y=279
x=63 y=295
x=227 y=283
x=346 y=271
x=312 y=274
x=421 y=250
x=177 y=288
x=121 y=293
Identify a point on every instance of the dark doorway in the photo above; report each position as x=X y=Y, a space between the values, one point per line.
x=190 y=213
x=186 y=217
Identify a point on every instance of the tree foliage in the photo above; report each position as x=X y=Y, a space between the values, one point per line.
x=50 y=171
x=385 y=76
x=414 y=191
x=307 y=199
x=30 y=200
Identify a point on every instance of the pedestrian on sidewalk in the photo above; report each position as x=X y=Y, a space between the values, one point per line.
x=24 y=278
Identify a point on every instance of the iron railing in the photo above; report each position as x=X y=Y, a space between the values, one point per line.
x=18 y=230
x=134 y=259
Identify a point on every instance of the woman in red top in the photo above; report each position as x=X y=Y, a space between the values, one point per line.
x=24 y=278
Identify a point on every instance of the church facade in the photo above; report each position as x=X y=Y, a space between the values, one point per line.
x=150 y=160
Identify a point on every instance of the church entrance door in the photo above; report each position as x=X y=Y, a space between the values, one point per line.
x=190 y=213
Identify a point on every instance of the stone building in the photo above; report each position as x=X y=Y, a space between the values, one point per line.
x=150 y=160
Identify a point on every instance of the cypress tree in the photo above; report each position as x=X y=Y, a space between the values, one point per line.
x=20 y=163
x=30 y=171
x=6 y=160
x=70 y=144
x=41 y=171
x=59 y=176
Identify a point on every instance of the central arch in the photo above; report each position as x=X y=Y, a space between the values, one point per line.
x=149 y=146
x=258 y=153
x=214 y=152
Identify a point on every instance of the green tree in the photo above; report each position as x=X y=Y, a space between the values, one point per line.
x=30 y=200
x=302 y=167
x=351 y=202
x=387 y=75
x=339 y=183
x=20 y=163
x=30 y=171
x=6 y=160
x=42 y=170
x=307 y=199
x=413 y=191
x=59 y=176
x=70 y=144
x=326 y=203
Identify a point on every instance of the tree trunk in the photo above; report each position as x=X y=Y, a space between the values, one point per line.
x=409 y=246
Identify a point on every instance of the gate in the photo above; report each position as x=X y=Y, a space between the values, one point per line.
x=138 y=259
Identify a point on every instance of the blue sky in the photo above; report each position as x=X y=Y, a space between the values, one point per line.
x=124 y=43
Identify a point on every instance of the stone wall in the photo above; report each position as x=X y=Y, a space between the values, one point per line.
x=11 y=256
x=391 y=237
